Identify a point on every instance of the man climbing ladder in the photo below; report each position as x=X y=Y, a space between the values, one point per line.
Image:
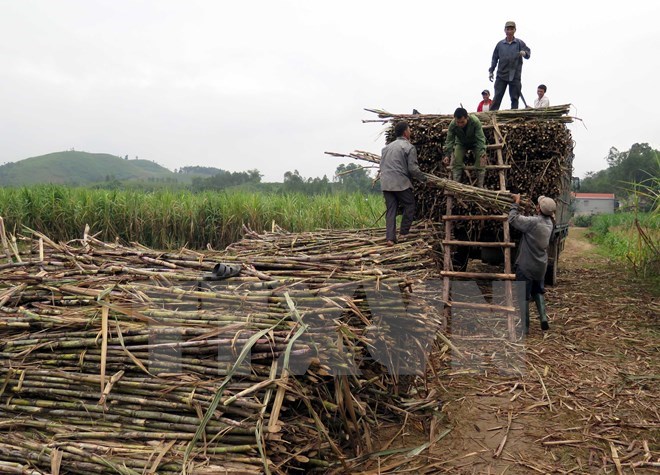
x=532 y=257
x=465 y=133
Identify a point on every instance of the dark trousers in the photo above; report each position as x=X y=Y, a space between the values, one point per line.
x=514 y=92
x=394 y=199
x=532 y=287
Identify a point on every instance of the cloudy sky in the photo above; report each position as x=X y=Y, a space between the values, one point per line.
x=272 y=84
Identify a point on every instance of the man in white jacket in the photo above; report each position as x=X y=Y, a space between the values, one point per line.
x=542 y=100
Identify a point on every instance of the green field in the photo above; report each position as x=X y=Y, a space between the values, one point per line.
x=168 y=219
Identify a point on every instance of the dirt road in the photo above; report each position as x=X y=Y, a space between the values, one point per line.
x=581 y=398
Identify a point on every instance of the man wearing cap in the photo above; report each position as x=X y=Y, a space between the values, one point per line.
x=484 y=105
x=508 y=56
x=532 y=257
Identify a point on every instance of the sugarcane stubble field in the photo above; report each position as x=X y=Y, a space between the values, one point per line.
x=329 y=352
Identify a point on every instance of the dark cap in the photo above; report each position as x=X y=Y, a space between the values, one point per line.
x=485 y=91
x=510 y=23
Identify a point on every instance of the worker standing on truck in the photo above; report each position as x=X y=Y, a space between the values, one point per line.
x=398 y=165
x=532 y=259
x=508 y=56
x=484 y=105
x=465 y=133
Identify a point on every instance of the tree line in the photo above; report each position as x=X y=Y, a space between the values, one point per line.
x=633 y=175
x=626 y=171
x=347 y=178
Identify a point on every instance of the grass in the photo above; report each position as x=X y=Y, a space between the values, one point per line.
x=169 y=219
x=630 y=237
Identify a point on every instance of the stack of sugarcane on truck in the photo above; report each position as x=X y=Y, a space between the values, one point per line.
x=538 y=184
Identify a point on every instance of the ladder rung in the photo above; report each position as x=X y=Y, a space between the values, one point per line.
x=493 y=217
x=480 y=244
x=478 y=275
x=495 y=146
x=481 y=306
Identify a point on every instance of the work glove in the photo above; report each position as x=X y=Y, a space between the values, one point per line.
x=490 y=77
x=523 y=53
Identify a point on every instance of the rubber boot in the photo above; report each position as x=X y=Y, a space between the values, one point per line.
x=481 y=178
x=526 y=317
x=540 y=305
x=456 y=175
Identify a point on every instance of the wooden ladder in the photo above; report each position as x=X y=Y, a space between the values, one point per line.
x=506 y=244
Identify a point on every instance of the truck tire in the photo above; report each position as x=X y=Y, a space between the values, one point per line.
x=492 y=256
x=553 y=264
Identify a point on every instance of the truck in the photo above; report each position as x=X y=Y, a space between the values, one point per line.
x=534 y=149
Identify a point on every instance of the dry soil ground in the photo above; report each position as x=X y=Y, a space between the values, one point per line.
x=581 y=398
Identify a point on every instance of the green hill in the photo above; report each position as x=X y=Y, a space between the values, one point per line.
x=79 y=168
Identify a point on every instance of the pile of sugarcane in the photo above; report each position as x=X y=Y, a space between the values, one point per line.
x=341 y=254
x=536 y=145
x=117 y=359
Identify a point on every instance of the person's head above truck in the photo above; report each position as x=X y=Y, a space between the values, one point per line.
x=460 y=117
x=510 y=29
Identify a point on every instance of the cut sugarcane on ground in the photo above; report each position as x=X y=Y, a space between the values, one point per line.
x=81 y=323
x=122 y=359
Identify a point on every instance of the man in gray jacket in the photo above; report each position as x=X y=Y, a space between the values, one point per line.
x=398 y=165
x=532 y=257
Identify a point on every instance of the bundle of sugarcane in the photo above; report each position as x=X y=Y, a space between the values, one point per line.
x=123 y=359
x=494 y=199
x=554 y=113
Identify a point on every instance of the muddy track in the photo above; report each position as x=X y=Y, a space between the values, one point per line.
x=581 y=398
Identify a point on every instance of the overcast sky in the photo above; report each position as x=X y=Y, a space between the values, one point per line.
x=272 y=84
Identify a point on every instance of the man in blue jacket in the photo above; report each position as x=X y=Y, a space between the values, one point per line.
x=508 y=56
